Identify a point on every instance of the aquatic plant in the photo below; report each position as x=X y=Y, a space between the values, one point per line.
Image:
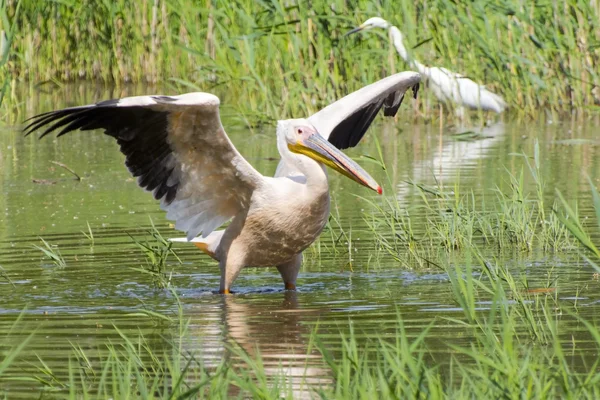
x=571 y=220
x=9 y=355
x=4 y=275
x=52 y=253
x=7 y=37
x=89 y=234
x=516 y=220
x=391 y=223
x=279 y=59
x=157 y=251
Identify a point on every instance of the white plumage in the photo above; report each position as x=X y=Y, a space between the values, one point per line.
x=448 y=86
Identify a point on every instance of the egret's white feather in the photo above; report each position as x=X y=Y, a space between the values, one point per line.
x=447 y=86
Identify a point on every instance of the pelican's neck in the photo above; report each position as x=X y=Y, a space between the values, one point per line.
x=398 y=41
x=315 y=173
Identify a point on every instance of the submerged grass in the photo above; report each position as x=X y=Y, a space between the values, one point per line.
x=5 y=276
x=277 y=59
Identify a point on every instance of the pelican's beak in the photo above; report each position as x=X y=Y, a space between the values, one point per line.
x=357 y=29
x=316 y=147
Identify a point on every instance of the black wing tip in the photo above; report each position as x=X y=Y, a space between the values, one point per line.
x=55 y=119
x=392 y=111
x=37 y=121
x=141 y=132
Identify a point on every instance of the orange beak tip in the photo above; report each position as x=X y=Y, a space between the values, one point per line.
x=379 y=190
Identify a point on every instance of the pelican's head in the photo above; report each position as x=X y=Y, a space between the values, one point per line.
x=371 y=23
x=299 y=138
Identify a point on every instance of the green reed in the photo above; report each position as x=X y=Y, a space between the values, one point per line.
x=278 y=59
x=392 y=226
x=570 y=220
x=9 y=16
x=89 y=234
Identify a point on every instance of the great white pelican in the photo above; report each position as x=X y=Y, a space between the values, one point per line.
x=178 y=150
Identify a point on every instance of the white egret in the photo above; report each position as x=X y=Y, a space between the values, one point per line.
x=447 y=86
x=178 y=150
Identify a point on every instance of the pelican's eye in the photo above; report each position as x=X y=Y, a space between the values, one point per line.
x=303 y=132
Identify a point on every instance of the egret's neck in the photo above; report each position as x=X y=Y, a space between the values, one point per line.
x=398 y=41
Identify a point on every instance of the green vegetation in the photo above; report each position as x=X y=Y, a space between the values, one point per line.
x=571 y=221
x=52 y=253
x=89 y=235
x=7 y=36
x=276 y=59
x=515 y=220
x=5 y=276
x=157 y=251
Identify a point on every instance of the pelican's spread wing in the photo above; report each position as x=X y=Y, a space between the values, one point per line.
x=345 y=122
x=177 y=148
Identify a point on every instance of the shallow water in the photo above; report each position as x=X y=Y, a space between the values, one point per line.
x=344 y=281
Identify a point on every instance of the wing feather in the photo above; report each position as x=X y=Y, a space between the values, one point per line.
x=177 y=149
x=346 y=121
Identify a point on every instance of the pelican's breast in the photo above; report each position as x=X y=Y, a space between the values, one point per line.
x=288 y=223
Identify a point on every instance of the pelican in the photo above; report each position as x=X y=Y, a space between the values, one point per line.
x=177 y=148
x=447 y=86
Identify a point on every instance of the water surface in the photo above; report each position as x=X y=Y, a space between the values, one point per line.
x=344 y=281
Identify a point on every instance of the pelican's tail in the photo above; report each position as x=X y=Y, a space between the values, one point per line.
x=208 y=244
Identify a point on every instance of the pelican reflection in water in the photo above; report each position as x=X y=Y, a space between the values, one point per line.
x=178 y=150
x=275 y=329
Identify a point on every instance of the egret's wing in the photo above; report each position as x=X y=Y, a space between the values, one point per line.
x=177 y=148
x=345 y=122
x=464 y=90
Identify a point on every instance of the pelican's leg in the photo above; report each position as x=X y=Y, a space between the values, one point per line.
x=289 y=271
x=230 y=269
